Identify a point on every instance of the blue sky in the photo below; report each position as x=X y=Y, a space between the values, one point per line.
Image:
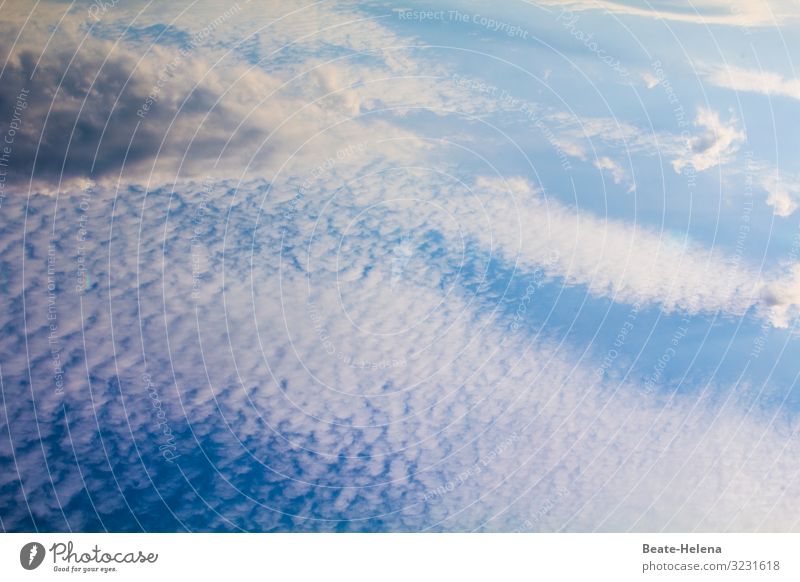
x=399 y=267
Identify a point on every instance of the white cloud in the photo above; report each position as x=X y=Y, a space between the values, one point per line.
x=751 y=80
x=781 y=187
x=650 y=80
x=613 y=259
x=758 y=13
x=288 y=382
x=782 y=298
x=618 y=173
x=716 y=145
x=783 y=193
x=625 y=262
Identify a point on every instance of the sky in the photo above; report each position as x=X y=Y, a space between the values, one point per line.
x=399 y=267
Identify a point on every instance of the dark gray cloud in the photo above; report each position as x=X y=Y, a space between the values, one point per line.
x=91 y=109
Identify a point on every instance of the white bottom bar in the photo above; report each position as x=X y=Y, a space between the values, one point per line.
x=379 y=557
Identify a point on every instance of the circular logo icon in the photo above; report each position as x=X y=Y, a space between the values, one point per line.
x=31 y=555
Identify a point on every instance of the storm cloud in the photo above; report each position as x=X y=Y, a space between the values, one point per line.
x=99 y=110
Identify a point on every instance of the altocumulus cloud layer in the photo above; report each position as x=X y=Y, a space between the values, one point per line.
x=285 y=268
